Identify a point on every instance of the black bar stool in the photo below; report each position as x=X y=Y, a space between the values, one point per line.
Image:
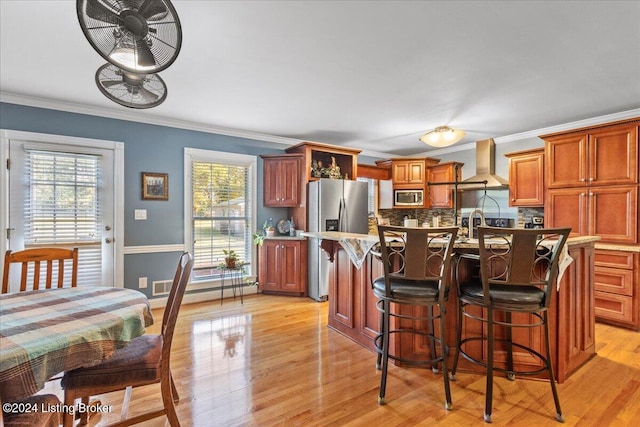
x=417 y=270
x=518 y=271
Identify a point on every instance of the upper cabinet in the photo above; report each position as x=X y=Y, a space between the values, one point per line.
x=591 y=177
x=441 y=196
x=320 y=161
x=597 y=156
x=282 y=180
x=326 y=161
x=526 y=178
x=411 y=172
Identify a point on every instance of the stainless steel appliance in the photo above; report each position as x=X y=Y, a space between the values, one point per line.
x=408 y=197
x=334 y=205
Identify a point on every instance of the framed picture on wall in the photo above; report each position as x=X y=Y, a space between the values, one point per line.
x=155 y=186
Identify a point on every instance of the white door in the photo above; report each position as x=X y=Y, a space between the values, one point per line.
x=63 y=195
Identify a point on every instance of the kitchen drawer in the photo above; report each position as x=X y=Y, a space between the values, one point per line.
x=615 y=308
x=614 y=280
x=614 y=259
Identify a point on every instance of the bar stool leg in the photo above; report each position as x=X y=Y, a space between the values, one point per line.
x=443 y=349
x=379 y=358
x=552 y=379
x=432 y=338
x=458 y=338
x=510 y=375
x=489 y=392
x=386 y=305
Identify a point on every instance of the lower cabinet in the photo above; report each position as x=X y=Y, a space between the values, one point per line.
x=617 y=288
x=282 y=267
x=352 y=305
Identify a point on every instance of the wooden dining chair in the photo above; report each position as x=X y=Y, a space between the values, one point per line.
x=32 y=259
x=34 y=411
x=144 y=361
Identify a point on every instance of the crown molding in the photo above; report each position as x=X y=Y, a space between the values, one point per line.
x=200 y=127
x=569 y=126
x=134 y=116
x=542 y=131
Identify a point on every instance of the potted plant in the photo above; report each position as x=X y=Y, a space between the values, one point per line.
x=230 y=258
x=269 y=229
x=258 y=239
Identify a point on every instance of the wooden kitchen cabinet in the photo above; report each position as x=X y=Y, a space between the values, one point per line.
x=591 y=176
x=352 y=305
x=442 y=196
x=617 y=287
x=283 y=266
x=281 y=180
x=346 y=159
x=605 y=155
x=526 y=178
x=408 y=172
x=609 y=212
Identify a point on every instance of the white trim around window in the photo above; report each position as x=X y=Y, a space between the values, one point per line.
x=199 y=155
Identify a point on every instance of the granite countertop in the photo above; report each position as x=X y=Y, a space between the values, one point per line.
x=284 y=237
x=469 y=243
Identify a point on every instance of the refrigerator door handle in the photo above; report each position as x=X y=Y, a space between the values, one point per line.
x=341 y=213
x=345 y=216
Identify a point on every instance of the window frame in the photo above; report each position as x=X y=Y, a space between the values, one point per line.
x=211 y=156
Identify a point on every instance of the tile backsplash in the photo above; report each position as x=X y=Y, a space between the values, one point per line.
x=396 y=216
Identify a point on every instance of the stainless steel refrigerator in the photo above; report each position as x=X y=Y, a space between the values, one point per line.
x=334 y=205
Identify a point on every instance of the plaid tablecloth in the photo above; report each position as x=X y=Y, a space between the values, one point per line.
x=43 y=333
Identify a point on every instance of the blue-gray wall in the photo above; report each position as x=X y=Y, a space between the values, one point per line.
x=147 y=148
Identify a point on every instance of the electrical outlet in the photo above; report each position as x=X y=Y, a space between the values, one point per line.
x=142 y=282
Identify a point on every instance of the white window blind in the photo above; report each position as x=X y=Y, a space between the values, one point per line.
x=371 y=194
x=63 y=208
x=221 y=200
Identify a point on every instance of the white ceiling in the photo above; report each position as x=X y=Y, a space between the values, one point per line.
x=370 y=75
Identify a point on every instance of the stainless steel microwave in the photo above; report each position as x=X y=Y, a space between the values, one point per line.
x=408 y=197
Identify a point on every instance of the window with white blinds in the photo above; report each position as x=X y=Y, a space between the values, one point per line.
x=63 y=209
x=221 y=218
x=371 y=194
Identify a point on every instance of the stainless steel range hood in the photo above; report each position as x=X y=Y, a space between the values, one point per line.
x=485 y=169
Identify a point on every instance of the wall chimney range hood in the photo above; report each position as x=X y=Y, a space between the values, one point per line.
x=485 y=169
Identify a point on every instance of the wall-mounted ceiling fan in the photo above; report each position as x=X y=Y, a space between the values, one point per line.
x=139 y=37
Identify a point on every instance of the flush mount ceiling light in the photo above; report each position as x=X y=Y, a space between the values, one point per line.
x=139 y=36
x=442 y=136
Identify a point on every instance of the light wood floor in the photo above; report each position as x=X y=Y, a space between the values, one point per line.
x=273 y=361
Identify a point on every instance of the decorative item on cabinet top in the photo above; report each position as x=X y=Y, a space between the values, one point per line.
x=318 y=170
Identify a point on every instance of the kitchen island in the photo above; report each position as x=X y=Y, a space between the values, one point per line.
x=352 y=306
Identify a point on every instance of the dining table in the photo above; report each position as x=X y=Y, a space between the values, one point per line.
x=46 y=332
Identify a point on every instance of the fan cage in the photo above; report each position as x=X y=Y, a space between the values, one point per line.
x=110 y=81
x=114 y=41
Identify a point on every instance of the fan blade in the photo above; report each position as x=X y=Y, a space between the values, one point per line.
x=97 y=10
x=149 y=97
x=144 y=54
x=150 y=8
x=109 y=83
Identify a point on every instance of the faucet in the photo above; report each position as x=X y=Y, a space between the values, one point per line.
x=471 y=215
